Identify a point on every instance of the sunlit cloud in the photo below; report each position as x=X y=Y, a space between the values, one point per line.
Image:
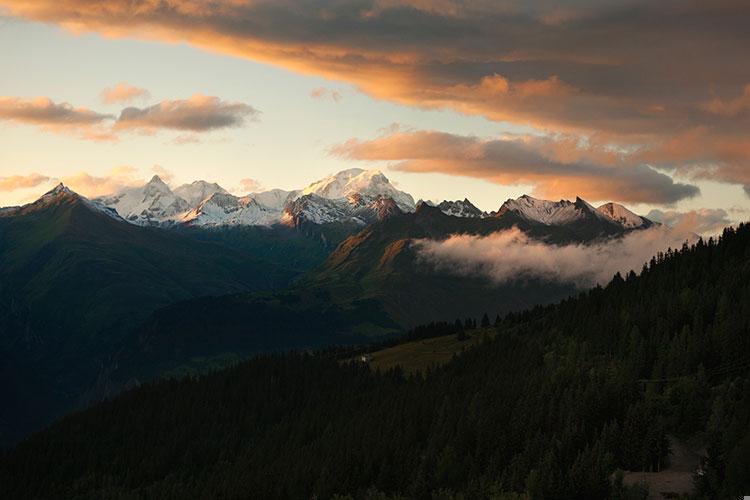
x=14 y=182
x=664 y=78
x=511 y=255
x=199 y=113
x=556 y=168
x=195 y=115
x=56 y=117
x=123 y=93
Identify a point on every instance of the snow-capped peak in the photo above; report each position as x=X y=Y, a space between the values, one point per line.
x=224 y=209
x=368 y=183
x=620 y=214
x=557 y=213
x=197 y=191
x=551 y=213
x=148 y=204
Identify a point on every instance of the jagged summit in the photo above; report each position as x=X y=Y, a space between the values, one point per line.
x=58 y=190
x=460 y=208
x=619 y=213
x=551 y=213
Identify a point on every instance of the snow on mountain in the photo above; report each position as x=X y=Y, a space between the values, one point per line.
x=551 y=213
x=624 y=216
x=367 y=183
x=460 y=208
x=197 y=191
x=353 y=196
x=274 y=199
x=224 y=209
x=148 y=204
x=318 y=210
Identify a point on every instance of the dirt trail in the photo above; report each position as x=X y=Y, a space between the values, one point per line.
x=675 y=479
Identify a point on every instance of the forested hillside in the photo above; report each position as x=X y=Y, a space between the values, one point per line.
x=550 y=407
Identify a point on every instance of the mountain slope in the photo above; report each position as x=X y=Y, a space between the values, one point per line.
x=551 y=407
x=74 y=280
x=624 y=216
x=381 y=263
x=374 y=284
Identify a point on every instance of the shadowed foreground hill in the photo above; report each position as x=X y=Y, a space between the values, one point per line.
x=549 y=408
x=75 y=280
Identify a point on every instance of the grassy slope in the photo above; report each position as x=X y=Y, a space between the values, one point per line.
x=419 y=355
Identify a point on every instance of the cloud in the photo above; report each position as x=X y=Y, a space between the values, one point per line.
x=704 y=221
x=92 y=186
x=555 y=167
x=123 y=92
x=13 y=182
x=55 y=117
x=324 y=93
x=637 y=74
x=199 y=113
x=250 y=185
x=510 y=255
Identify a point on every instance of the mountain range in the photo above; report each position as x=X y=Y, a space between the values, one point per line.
x=97 y=295
x=354 y=196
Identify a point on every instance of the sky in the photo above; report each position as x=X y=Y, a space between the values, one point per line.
x=643 y=103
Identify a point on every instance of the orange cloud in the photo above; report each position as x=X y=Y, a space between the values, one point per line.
x=13 y=182
x=55 y=117
x=199 y=113
x=556 y=169
x=123 y=92
x=195 y=115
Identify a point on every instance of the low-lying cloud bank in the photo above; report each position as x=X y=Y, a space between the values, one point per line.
x=511 y=255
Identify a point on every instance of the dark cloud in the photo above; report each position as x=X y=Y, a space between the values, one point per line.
x=556 y=169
